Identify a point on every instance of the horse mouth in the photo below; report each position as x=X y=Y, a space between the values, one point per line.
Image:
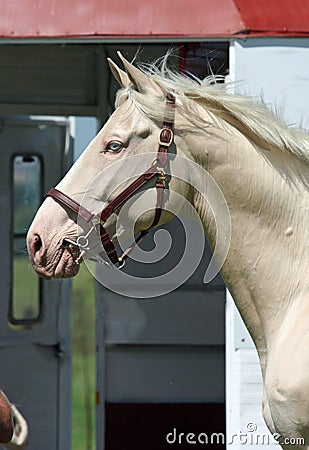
x=65 y=262
x=68 y=263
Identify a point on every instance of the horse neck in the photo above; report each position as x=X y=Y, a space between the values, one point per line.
x=267 y=196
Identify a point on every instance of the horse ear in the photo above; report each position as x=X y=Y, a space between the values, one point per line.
x=119 y=74
x=140 y=80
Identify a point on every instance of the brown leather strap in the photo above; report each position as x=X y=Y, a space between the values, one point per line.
x=158 y=211
x=166 y=134
x=128 y=192
x=160 y=189
x=71 y=204
x=108 y=245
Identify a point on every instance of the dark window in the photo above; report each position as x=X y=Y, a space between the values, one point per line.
x=204 y=59
x=25 y=305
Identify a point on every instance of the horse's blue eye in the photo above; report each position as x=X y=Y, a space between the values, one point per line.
x=114 y=146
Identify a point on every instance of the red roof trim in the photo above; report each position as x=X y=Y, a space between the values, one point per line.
x=153 y=18
x=275 y=16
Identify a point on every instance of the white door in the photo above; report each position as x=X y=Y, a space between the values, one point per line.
x=35 y=340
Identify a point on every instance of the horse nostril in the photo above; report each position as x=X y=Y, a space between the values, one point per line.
x=36 y=244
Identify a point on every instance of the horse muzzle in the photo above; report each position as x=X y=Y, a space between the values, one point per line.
x=61 y=262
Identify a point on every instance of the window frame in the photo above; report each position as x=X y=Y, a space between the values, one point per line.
x=13 y=321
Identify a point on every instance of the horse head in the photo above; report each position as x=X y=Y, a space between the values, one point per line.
x=125 y=149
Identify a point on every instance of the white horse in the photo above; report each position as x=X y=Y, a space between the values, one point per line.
x=261 y=167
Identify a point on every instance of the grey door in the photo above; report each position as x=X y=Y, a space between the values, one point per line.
x=35 y=342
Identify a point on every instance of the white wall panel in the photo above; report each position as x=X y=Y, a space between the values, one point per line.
x=277 y=70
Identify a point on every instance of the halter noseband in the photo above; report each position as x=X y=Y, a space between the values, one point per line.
x=157 y=169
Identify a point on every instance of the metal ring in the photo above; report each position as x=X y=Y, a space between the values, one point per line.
x=121 y=262
x=155 y=162
x=79 y=239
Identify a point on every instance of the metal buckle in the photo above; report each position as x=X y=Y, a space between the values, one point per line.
x=161 y=177
x=166 y=144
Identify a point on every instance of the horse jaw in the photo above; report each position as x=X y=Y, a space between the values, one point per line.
x=50 y=255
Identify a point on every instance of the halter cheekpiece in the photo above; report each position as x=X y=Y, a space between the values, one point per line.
x=156 y=170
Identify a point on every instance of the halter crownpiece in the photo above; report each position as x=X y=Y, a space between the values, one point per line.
x=157 y=169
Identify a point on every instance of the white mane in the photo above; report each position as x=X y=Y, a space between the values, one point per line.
x=251 y=117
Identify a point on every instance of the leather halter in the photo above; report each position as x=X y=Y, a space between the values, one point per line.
x=166 y=137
